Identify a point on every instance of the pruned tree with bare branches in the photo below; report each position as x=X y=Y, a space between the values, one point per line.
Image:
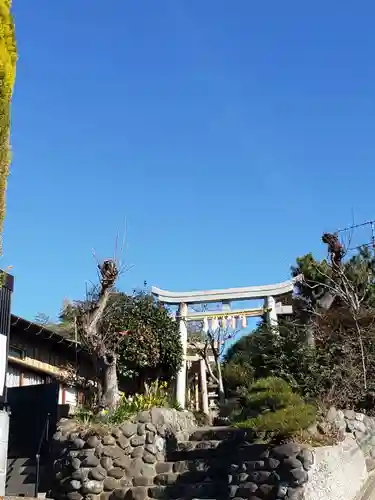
x=212 y=343
x=100 y=340
x=349 y=291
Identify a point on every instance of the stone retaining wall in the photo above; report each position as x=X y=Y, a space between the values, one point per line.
x=107 y=462
x=280 y=472
x=153 y=457
x=358 y=425
x=158 y=455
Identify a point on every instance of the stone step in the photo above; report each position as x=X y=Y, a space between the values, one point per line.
x=198 y=445
x=222 y=433
x=198 y=465
x=21 y=476
x=187 y=491
x=189 y=477
x=213 y=449
x=192 y=450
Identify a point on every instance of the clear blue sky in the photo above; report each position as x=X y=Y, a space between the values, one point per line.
x=228 y=134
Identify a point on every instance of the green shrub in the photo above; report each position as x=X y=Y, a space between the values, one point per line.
x=157 y=395
x=84 y=414
x=283 y=422
x=270 y=406
x=268 y=394
x=236 y=374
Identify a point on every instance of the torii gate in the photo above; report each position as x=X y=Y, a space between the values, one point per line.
x=271 y=309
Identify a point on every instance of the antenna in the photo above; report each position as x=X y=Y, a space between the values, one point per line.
x=368 y=233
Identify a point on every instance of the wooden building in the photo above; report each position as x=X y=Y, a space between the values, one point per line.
x=38 y=355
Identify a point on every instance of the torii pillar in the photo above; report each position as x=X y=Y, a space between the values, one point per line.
x=181 y=376
x=271 y=314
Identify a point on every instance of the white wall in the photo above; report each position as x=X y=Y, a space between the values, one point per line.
x=71 y=396
x=339 y=472
x=13 y=377
x=32 y=378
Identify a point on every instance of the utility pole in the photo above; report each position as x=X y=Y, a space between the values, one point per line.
x=6 y=290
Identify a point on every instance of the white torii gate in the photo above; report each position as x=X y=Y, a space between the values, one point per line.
x=226 y=296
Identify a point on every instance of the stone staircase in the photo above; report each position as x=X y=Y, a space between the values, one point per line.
x=142 y=460
x=21 y=477
x=197 y=468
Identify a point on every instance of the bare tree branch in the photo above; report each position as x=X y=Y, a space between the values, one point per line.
x=339 y=286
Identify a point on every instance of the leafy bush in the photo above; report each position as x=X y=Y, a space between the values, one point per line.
x=152 y=348
x=84 y=414
x=270 y=406
x=330 y=372
x=236 y=374
x=268 y=394
x=157 y=395
x=283 y=422
x=270 y=355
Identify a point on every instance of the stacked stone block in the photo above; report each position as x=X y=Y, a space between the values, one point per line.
x=159 y=456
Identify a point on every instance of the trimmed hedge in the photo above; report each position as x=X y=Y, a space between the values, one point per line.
x=270 y=406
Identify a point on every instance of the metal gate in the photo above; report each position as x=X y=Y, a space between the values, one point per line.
x=31 y=407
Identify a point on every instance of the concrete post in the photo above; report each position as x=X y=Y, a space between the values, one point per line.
x=204 y=390
x=270 y=305
x=181 y=376
x=6 y=289
x=4 y=432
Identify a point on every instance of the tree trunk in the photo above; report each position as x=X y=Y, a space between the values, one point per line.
x=110 y=396
x=220 y=382
x=326 y=301
x=310 y=335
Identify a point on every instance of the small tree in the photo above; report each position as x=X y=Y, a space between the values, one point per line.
x=213 y=342
x=152 y=348
x=147 y=337
x=349 y=285
x=100 y=338
x=335 y=308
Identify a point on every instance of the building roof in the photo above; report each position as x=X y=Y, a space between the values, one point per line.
x=34 y=329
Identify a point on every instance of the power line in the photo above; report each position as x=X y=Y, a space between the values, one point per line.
x=355 y=226
x=350 y=229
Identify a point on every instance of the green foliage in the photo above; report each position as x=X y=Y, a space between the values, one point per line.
x=85 y=415
x=360 y=270
x=8 y=59
x=270 y=406
x=331 y=372
x=151 y=346
x=236 y=374
x=282 y=423
x=266 y=354
x=270 y=393
x=130 y=406
x=158 y=395
x=152 y=349
x=315 y=273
